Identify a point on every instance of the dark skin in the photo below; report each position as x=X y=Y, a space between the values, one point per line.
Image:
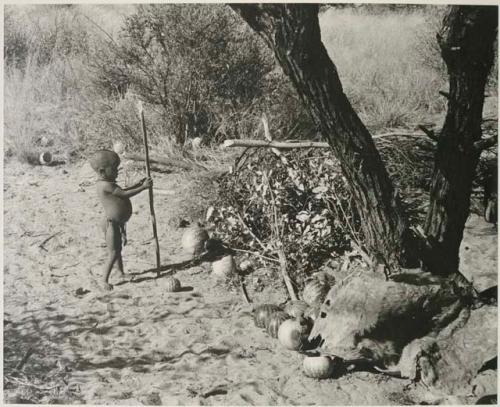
x=118 y=209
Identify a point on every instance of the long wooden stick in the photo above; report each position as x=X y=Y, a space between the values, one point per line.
x=307 y=144
x=148 y=173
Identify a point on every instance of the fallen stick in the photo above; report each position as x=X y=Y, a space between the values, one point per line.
x=23 y=361
x=274 y=144
x=162 y=161
x=306 y=144
x=285 y=275
x=244 y=290
x=164 y=191
x=42 y=245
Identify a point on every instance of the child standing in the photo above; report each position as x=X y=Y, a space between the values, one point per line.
x=117 y=208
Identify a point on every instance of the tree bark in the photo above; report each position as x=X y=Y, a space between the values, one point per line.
x=466 y=41
x=292 y=31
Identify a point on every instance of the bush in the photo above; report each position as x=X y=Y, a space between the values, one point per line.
x=302 y=205
x=199 y=63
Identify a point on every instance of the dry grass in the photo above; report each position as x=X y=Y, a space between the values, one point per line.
x=381 y=66
x=377 y=56
x=38 y=105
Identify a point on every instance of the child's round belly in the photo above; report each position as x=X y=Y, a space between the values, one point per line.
x=118 y=210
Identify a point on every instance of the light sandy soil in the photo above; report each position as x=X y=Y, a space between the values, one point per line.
x=139 y=344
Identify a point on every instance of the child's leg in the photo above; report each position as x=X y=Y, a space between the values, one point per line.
x=119 y=260
x=123 y=276
x=123 y=231
x=114 y=244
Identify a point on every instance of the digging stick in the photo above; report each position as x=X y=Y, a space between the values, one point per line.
x=148 y=173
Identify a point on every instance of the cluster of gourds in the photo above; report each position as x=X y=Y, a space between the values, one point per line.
x=293 y=323
x=195 y=241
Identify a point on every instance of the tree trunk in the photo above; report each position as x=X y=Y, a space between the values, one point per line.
x=292 y=31
x=466 y=40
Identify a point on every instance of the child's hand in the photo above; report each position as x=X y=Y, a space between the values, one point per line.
x=147 y=183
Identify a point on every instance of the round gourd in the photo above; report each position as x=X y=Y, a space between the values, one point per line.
x=318 y=367
x=296 y=308
x=274 y=322
x=315 y=291
x=172 y=284
x=293 y=333
x=224 y=267
x=262 y=312
x=193 y=240
x=45 y=158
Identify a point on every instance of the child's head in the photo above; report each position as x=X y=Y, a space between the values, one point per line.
x=105 y=163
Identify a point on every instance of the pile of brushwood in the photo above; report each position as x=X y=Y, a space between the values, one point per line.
x=297 y=201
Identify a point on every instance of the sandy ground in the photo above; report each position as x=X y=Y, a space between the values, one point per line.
x=139 y=344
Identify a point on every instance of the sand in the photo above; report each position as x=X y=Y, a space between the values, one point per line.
x=139 y=344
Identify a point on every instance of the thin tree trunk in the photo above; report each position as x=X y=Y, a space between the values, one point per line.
x=292 y=31
x=466 y=40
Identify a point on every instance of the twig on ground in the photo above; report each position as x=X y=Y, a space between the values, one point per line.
x=244 y=290
x=221 y=389
x=42 y=245
x=25 y=358
x=23 y=383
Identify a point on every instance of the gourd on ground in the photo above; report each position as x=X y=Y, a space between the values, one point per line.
x=319 y=367
x=193 y=240
x=293 y=333
x=224 y=268
x=261 y=314
x=274 y=322
x=172 y=284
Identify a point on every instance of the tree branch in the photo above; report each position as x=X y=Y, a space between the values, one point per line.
x=429 y=133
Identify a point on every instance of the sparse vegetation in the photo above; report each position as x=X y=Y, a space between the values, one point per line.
x=74 y=74
x=80 y=54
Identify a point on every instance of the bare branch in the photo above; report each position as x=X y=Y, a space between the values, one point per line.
x=429 y=133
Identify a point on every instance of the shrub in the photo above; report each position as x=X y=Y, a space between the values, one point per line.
x=199 y=63
x=302 y=206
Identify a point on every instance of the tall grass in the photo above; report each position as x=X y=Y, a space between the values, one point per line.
x=41 y=103
x=383 y=63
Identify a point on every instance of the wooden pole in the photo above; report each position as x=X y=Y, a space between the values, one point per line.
x=309 y=144
x=148 y=173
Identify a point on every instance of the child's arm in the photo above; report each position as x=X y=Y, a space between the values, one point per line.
x=130 y=192
x=133 y=186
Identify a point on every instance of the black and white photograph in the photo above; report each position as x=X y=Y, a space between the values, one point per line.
x=246 y=204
